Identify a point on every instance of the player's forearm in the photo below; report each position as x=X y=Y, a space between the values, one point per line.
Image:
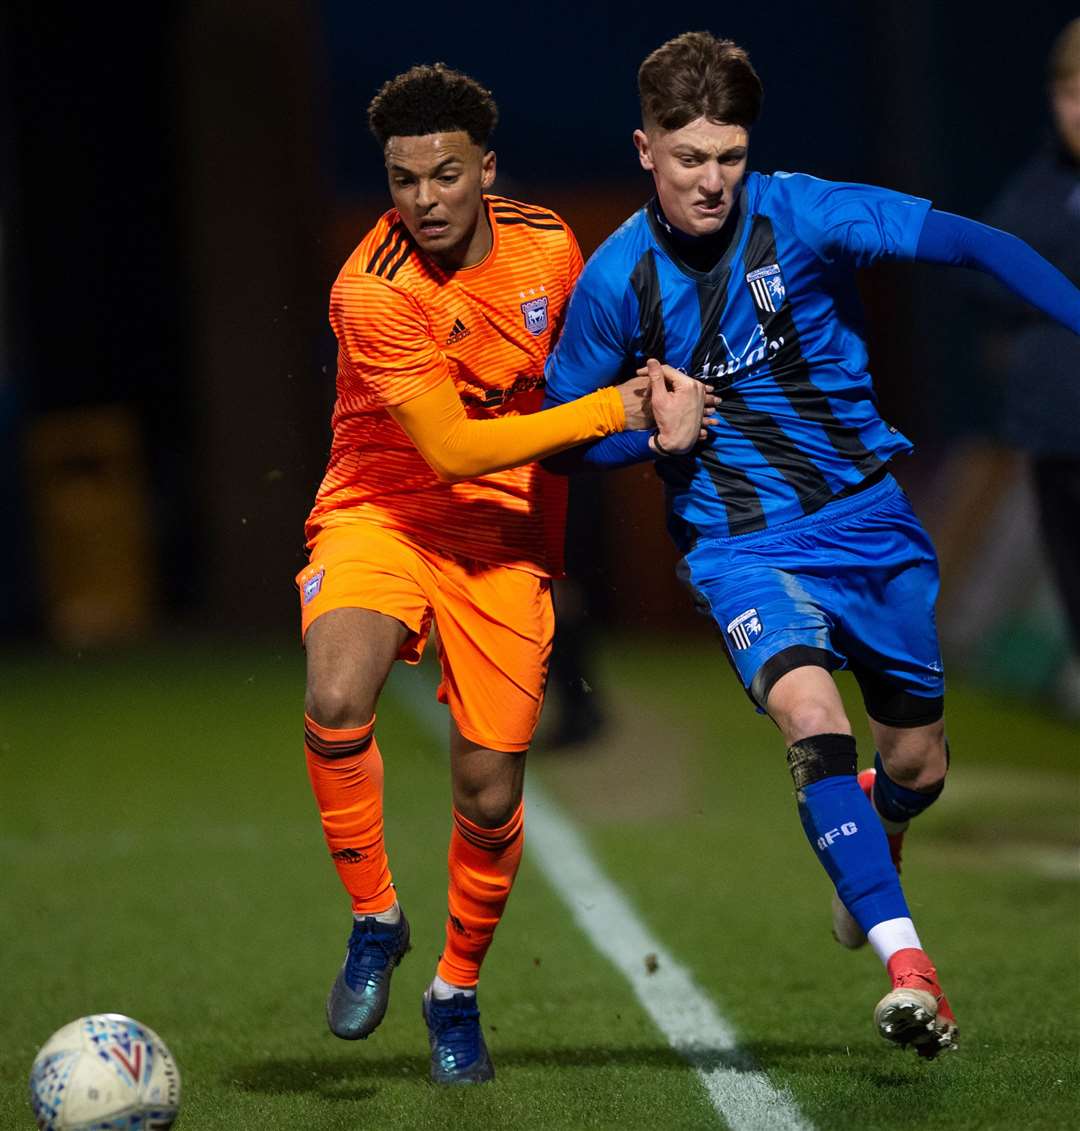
x=458 y=447
x=946 y=238
x=619 y=450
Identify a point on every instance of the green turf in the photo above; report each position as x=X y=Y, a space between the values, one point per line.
x=752 y=913
x=161 y=857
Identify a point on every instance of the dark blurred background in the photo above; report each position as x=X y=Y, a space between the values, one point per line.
x=183 y=180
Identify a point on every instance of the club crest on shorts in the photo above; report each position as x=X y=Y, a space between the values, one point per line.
x=745 y=629
x=310 y=585
x=767 y=287
x=535 y=313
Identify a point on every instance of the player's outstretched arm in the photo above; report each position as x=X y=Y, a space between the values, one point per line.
x=458 y=447
x=946 y=238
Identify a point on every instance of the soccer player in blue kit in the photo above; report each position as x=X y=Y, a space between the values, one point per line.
x=796 y=538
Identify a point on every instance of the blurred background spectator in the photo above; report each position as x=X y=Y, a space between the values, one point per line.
x=1036 y=363
x=183 y=181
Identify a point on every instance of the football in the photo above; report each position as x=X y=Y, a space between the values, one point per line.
x=105 y=1071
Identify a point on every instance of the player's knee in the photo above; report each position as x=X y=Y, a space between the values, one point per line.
x=489 y=805
x=918 y=761
x=927 y=777
x=331 y=703
x=809 y=717
x=820 y=756
x=804 y=702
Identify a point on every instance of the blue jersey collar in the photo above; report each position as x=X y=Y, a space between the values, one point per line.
x=681 y=247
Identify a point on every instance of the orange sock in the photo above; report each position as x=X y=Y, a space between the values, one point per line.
x=346 y=772
x=483 y=863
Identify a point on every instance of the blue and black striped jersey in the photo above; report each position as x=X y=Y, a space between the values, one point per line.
x=776 y=326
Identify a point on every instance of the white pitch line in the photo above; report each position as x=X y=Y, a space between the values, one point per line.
x=681 y=1010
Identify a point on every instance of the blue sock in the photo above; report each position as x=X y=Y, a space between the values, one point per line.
x=895 y=802
x=843 y=829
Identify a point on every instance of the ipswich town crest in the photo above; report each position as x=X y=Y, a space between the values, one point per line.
x=535 y=312
x=310 y=582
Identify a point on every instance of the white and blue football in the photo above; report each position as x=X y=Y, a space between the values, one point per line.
x=105 y=1072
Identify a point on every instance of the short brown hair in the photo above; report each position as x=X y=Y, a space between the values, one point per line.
x=695 y=75
x=1065 y=54
x=432 y=99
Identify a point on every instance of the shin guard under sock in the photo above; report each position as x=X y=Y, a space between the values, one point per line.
x=346 y=772
x=843 y=829
x=483 y=864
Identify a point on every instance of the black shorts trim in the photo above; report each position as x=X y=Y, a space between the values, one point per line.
x=786 y=660
x=891 y=705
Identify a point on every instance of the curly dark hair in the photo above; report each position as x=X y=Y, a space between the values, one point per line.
x=695 y=75
x=432 y=98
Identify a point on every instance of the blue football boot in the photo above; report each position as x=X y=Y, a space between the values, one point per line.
x=458 y=1052
x=358 y=997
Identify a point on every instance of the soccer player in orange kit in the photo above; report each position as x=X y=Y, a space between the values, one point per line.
x=432 y=511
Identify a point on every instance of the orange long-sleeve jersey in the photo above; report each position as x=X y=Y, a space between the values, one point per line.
x=404 y=325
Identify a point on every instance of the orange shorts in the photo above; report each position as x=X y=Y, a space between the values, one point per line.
x=493 y=624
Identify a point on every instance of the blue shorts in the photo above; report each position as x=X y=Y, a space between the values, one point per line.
x=851 y=586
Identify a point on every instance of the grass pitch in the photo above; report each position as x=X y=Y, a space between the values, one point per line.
x=161 y=856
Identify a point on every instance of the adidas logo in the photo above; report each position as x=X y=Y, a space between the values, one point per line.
x=458 y=331
x=349 y=855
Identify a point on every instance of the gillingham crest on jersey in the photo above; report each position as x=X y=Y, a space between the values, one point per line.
x=535 y=313
x=767 y=286
x=745 y=629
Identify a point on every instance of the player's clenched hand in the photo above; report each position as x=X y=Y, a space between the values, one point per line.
x=635 y=399
x=678 y=404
